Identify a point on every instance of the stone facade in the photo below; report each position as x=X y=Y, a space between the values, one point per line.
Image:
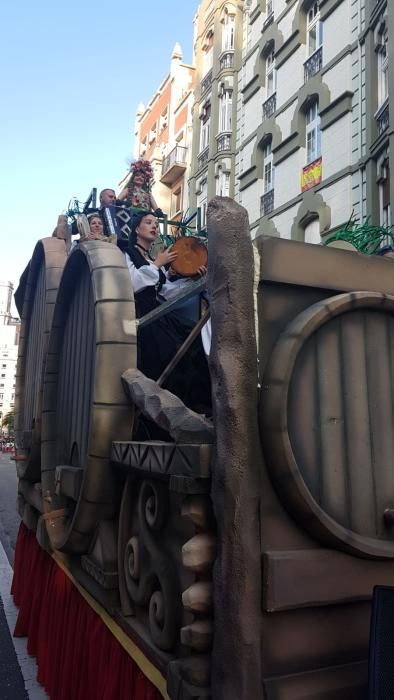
x=217 y=55
x=313 y=130
x=163 y=133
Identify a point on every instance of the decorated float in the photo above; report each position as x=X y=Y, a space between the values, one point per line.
x=235 y=558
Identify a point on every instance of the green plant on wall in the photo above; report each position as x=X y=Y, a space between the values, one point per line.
x=364 y=237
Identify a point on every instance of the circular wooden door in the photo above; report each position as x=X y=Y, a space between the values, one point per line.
x=44 y=275
x=327 y=410
x=93 y=341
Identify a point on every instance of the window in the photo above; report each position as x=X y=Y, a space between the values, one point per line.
x=207 y=60
x=270 y=8
x=3 y=366
x=177 y=201
x=228 y=33
x=268 y=167
x=143 y=146
x=223 y=184
x=270 y=76
x=164 y=119
x=1 y=396
x=2 y=376
x=384 y=192
x=225 y=110
x=153 y=133
x=205 y=127
x=202 y=202
x=267 y=199
x=312 y=232
x=314 y=29
x=313 y=135
x=383 y=68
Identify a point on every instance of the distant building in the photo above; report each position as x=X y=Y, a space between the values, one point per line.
x=313 y=119
x=163 y=131
x=9 y=339
x=218 y=52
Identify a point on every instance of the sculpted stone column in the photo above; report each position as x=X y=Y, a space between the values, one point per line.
x=236 y=663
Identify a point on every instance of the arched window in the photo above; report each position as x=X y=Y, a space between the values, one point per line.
x=205 y=126
x=269 y=104
x=383 y=168
x=267 y=200
x=202 y=201
x=383 y=66
x=312 y=232
x=312 y=132
x=207 y=48
x=314 y=29
x=222 y=183
x=228 y=32
x=225 y=110
x=270 y=74
x=314 y=41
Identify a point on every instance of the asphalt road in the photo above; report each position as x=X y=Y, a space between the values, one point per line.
x=12 y=684
x=9 y=518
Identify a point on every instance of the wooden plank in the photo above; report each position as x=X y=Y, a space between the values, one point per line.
x=320 y=577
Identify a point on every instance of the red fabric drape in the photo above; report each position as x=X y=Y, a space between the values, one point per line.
x=77 y=656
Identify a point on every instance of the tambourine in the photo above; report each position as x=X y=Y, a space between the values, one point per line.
x=192 y=254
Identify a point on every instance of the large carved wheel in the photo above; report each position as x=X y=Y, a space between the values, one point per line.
x=44 y=275
x=327 y=421
x=93 y=341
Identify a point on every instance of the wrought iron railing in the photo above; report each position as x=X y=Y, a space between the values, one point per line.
x=203 y=157
x=313 y=64
x=206 y=81
x=177 y=155
x=269 y=106
x=383 y=118
x=227 y=60
x=267 y=203
x=224 y=141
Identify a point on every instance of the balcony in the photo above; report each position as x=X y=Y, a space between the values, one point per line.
x=269 y=106
x=267 y=203
x=382 y=117
x=203 y=157
x=206 y=81
x=227 y=60
x=224 y=141
x=313 y=64
x=174 y=165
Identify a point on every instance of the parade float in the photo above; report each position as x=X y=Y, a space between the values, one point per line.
x=236 y=558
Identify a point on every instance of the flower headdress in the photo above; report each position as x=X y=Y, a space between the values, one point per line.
x=143 y=167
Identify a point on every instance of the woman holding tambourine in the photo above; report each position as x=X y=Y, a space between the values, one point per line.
x=159 y=341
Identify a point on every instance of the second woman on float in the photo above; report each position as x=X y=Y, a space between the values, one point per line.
x=159 y=341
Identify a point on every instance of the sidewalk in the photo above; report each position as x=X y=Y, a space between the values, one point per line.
x=17 y=669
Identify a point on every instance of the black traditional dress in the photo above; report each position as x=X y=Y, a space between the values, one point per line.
x=159 y=341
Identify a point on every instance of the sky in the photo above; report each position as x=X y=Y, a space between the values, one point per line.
x=73 y=74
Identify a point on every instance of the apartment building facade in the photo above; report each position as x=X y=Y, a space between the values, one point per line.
x=163 y=133
x=217 y=57
x=313 y=124
x=9 y=339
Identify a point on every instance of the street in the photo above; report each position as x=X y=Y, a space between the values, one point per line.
x=17 y=669
x=9 y=518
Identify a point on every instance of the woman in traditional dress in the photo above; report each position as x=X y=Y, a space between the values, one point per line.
x=137 y=193
x=159 y=341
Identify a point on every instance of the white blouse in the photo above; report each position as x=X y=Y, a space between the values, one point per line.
x=144 y=276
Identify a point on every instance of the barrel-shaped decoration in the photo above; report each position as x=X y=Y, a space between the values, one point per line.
x=92 y=342
x=327 y=421
x=40 y=293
